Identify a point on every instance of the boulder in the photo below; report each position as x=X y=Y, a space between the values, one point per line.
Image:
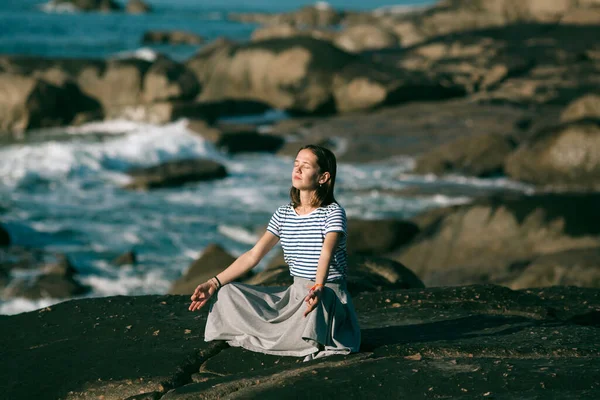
x=31 y=103
x=371 y=237
x=320 y=15
x=4 y=237
x=243 y=139
x=214 y=259
x=175 y=173
x=358 y=38
x=167 y=80
x=481 y=155
x=365 y=274
x=587 y=106
x=137 y=7
x=487 y=240
x=562 y=156
x=579 y=267
x=92 y=5
x=172 y=38
x=286 y=30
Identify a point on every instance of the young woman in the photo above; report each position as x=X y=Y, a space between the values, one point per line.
x=312 y=318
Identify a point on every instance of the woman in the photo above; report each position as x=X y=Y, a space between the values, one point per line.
x=272 y=320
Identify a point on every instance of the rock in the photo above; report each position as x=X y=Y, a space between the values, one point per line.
x=128 y=258
x=137 y=7
x=175 y=173
x=50 y=285
x=172 y=38
x=448 y=341
x=486 y=240
x=365 y=274
x=320 y=15
x=4 y=237
x=587 y=106
x=562 y=156
x=241 y=139
x=214 y=260
x=31 y=103
x=92 y=5
x=370 y=237
x=62 y=267
x=579 y=267
x=287 y=31
x=358 y=38
x=481 y=156
x=167 y=80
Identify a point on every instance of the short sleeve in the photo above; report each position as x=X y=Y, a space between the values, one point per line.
x=336 y=220
x=275 y=223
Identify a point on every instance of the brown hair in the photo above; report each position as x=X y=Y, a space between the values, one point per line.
x=327 y=163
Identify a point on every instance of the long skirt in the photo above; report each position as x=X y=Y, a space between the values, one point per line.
x=271 y=320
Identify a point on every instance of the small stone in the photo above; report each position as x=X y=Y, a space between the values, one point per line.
x=155 y=333
x=487 y=393
x=387 y=300
x=128 y=326
x=415 y=357
x=187 y=331
x=395 y=305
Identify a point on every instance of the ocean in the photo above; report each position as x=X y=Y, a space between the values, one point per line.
x=62 y=192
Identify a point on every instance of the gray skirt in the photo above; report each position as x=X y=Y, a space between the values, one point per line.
x=270 y=320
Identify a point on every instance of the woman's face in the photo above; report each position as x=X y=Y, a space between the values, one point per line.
x=305 y=175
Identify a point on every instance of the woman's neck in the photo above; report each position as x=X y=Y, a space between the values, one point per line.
x=306 y=202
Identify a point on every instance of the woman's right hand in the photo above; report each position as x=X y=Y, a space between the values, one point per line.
x=202 y=294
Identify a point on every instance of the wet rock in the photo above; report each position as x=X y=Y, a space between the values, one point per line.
x=92 y=5
x=214 y=260
x=562 y=156
x=243 y=139
x=587 y=106
x=370 y=237
x=128 y=258
x=172 y=37
x=482 y=156
x=365 y=274
x=167 y=80
x=579 y=267
x=175 y=173
x=484 y=241
x=137 y=7
x=287 y=30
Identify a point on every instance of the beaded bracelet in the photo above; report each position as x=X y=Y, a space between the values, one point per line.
x=316 y=285
x=218 y=282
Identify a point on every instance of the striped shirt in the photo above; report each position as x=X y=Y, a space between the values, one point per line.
x=302 y=239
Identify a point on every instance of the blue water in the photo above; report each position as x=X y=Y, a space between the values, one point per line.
x=66 y=196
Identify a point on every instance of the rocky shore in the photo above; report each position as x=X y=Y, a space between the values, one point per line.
x=497 y=298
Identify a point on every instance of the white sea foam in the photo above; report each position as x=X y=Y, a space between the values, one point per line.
x=238 y=233
x=143 y=53
x=20 y=305
x=59 y=8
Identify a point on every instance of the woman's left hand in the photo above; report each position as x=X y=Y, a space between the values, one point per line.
x=312 y=299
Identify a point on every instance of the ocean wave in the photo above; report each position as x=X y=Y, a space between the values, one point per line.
x=58 y=8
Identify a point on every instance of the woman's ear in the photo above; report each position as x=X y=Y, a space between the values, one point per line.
x=324 y=177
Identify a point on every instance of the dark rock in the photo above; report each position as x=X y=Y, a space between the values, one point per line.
x=92 y=5
x=175 y=173
x=445 y=341
x=478 y=242
x=561 y=156
x=49 y=285
x=481 y=156
x=214 y=260
x=172 y=37
x=128 y=258
x=578 y=267
x=372 y=237
x=241 y=139
x=137 y=7
x=4 y=237
x=365 y=274
x=62 y=267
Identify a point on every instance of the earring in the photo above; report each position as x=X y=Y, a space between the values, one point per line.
x=320 y=185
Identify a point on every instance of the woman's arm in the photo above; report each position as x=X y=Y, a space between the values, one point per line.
x=240 y=266
x=329 y=245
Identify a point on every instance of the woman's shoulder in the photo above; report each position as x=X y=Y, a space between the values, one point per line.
x=284 y=208
x=334 y=207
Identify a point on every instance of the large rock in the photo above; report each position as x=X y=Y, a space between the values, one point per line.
x=475 y=341
x=30 y=103
x=365 y=274
x=307 y=75
x=358 y=38
x=564 y=156
x=371 y=237
x=168 y=80
x=137 y=7
x=481 y=156
x=175 y=173
x=587 y=106
x=488 y=240
x=213 y=260
x=92 y=5
x=580 y=267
